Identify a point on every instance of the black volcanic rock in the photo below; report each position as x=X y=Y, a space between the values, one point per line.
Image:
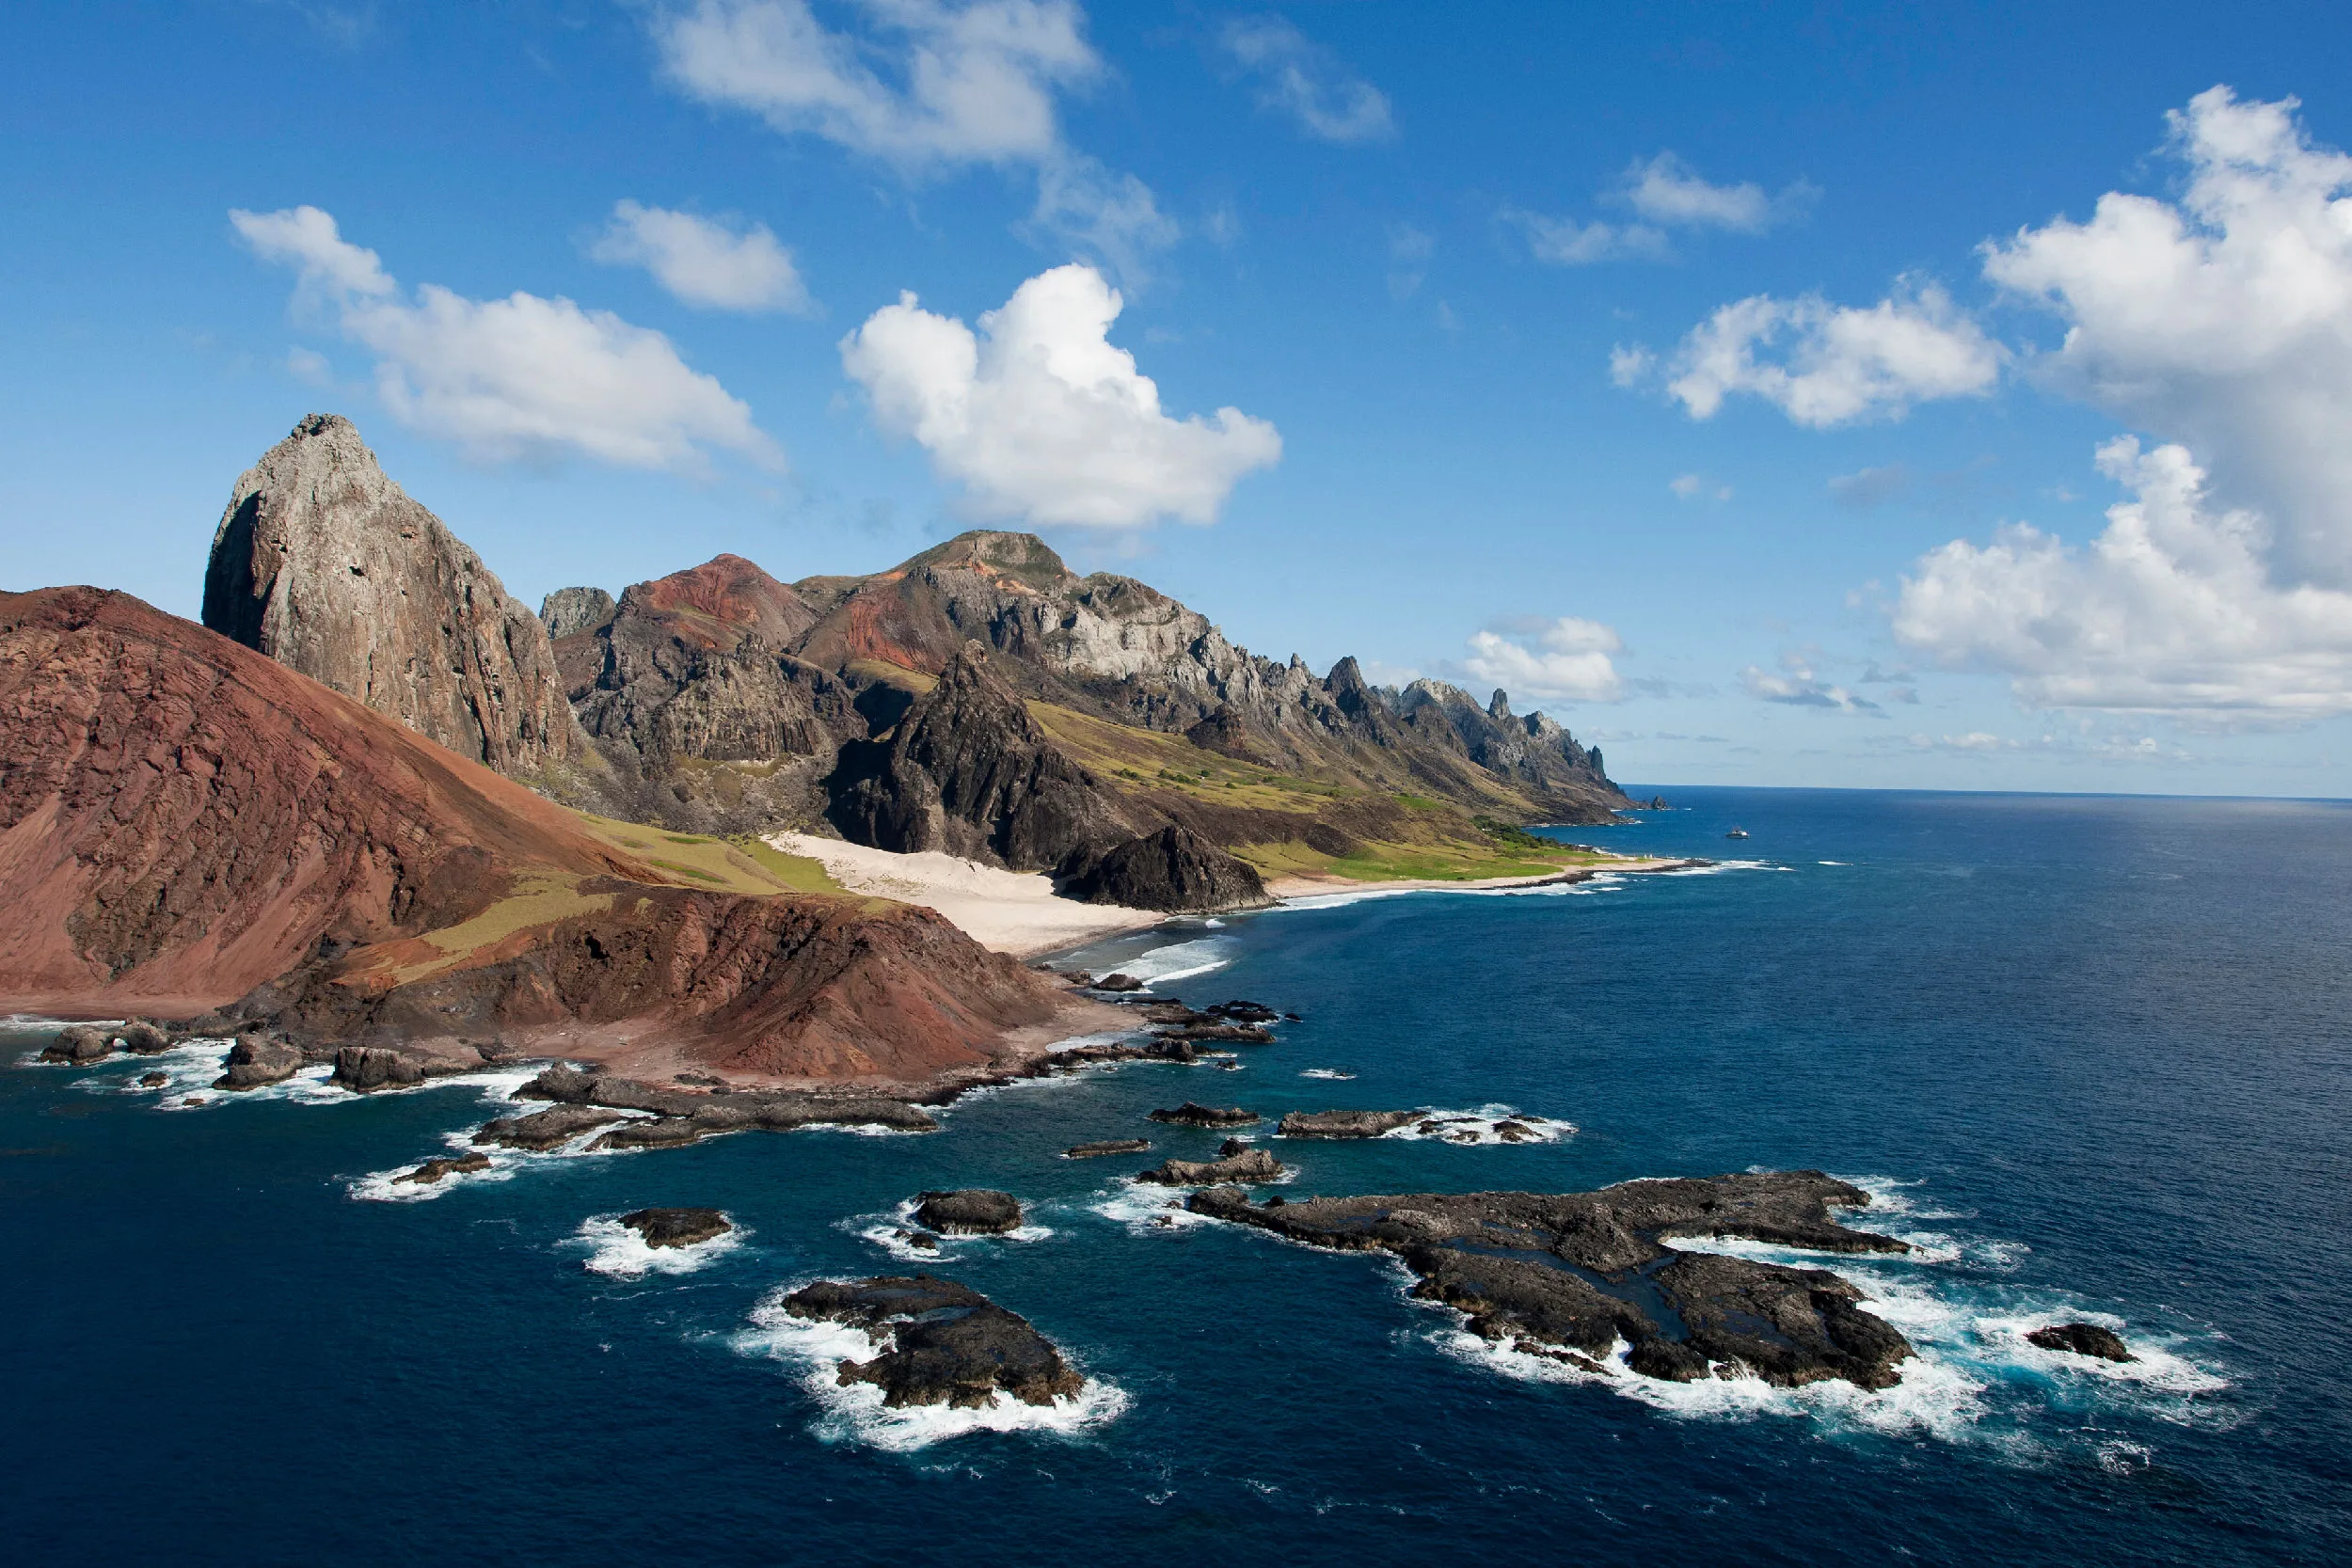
x=362 y=1068
x=970 y=1211
x=1343 y=1124
x=447 y=1166
x=968 y=772
x=1173 y=869
x=1566 y=1274
x=1192 y=1115
x=1106 y=1146
x=543 y=1130
x=678 y=1226
x=2082 y=1340
x=940 y=1342
x=1236 y=1162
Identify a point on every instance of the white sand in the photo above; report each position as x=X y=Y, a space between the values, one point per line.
x=1009 y=912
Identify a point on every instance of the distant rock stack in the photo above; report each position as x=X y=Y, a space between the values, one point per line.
x=325 y=565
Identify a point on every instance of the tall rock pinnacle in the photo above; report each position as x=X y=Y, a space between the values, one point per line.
x=326 y=566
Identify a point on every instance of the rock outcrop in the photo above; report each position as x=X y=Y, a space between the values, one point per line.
x=325 y=565
x=1236 y=1162
x=541 y=1131
x=1106 y=1146
x=1568 y=1275
x=2103 y=1344
x=1173 y=869
x=969 y=772
x=969 y=1212
x=1192 y=1115
x=1344 y=1124
x=570 y=610
x=940 y=1343
x=678 y=1226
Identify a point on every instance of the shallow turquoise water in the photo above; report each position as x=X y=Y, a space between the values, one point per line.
x=2095 y=1055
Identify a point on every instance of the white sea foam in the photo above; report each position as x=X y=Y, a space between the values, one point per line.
x=1481 y=1126
x=1326 y=1072
x=1181 y=960
x=1831 y=862
x=383 y=1186
x=618 y=1250
x=1146 y=1208
x=894 y=1232
x=856 y=1412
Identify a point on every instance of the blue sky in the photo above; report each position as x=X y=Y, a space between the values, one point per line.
x=1767 y=392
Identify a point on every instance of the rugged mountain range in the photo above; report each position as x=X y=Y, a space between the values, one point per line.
x=187 y=827
x=979 y=698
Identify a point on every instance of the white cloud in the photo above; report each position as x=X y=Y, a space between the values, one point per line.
x=1869 y=487
x=2220 y=589
x=1824 y=364
x=1691 y=488
x=964 y=85
x=1566 y=243
x=1567 y=658
x=1797 y=684
x=509 y=377
x=2172 y=607
x=309 y=364
x=2224 y=320
x=1668 y=191
x=979 y=80
x=1664 y=192
x=703 y=261
x=1299 y=77
x=1039 y=418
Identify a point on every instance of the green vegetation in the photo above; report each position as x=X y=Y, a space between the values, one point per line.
x=690 y=871
x=743 y=865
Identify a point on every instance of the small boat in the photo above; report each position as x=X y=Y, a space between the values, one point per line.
x=1737 y=832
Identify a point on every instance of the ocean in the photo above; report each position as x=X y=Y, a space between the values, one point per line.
x=2093 y=1055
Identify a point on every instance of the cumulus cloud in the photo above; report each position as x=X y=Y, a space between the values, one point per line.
x=2172 y=607
x=2220 y=589
x=2223 y=320
x=1039 y=418
x=1797 y=684
x=1567 y=658
x=962 y=85
x=701 y=261
x=1301 y=78
x=1824 y=364
x=510 y=377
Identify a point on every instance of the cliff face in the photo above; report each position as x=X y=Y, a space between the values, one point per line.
x=324 y=564
x=969 y=772
x=186 y=826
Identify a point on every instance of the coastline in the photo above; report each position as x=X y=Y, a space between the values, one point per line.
x=1304 y=886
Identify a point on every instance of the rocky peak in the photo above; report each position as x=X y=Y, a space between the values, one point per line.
x=1500 y=708
x=1023 y=557
x=325 y=565
x=720 y=603
x=569 y=610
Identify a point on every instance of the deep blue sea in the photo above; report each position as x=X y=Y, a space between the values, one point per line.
x=2093 y=1054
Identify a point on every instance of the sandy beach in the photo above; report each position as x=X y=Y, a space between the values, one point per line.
x=1006 y=912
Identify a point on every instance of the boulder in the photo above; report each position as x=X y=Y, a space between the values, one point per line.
x=435 y=1170
x=142 y=1038
x=1107 y=1146
x=1118 y=983
x=361 y=1067
x=940 y=1343
x=256 y=1060
x=971 y=1211
x=2082 y=1340
x=1192 y=1115
x=678 y=1226
x=78 y=1043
